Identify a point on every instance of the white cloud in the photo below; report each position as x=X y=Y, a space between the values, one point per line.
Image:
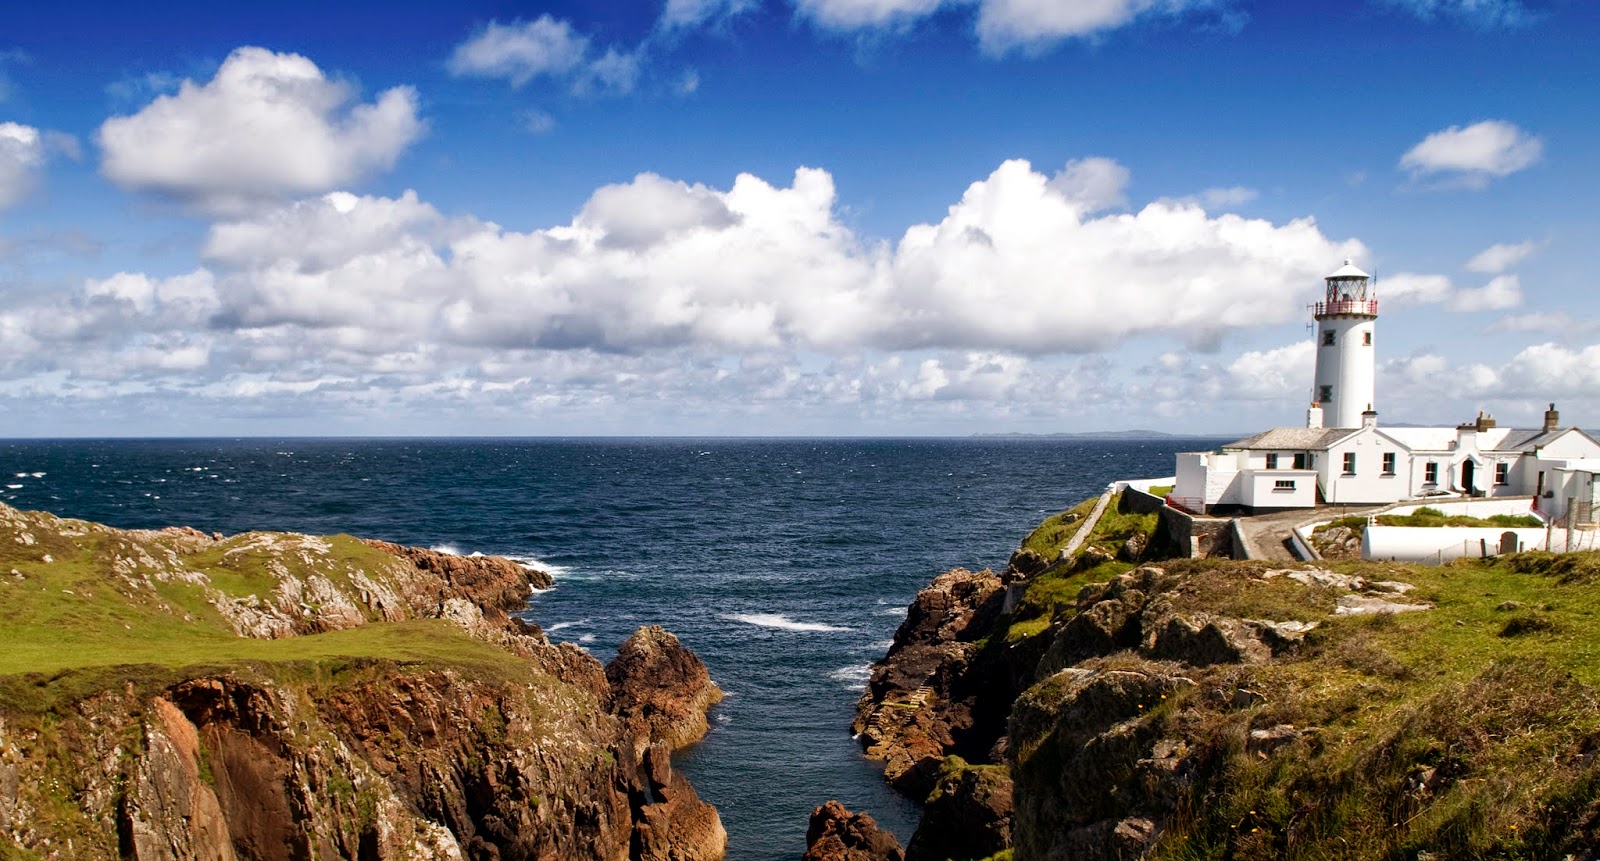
x=1503 y=291
x=1473 y=155
x=1483 y=14
x=1407 y=289
x=538 y=122
x=695 y=13
x=1283 y=373
x=268 y=125
x=1222 y=198
x=662 y=291
x=859 y=14
x=22 y=153
x=1003 y=25
x=1007 y=24
x=1499 y=257
x=546 y=47
x=1098 y=183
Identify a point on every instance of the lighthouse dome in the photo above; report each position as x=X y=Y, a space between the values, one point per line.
x=1348 y=270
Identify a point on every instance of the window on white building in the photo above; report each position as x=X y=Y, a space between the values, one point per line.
x=1388 y=463
x=1366 y=338
x=1327 y=339
x=1302 y=460
x=1283 y=484
x=1324 y=393
x=1272 y=461
x=1430 y=473
x=1349 y=463
x=1502 y=473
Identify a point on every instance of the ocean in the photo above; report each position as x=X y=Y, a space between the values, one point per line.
x=786 y=564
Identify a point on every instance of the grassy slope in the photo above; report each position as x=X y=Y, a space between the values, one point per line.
x=72 y=622
x=1494 y=690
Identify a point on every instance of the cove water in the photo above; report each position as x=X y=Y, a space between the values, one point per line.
x=785 y=564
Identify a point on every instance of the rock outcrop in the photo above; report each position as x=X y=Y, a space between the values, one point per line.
x=836 y=834
x=435 y=725
x=663 y=690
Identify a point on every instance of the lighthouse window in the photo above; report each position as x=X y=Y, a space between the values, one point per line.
x=1366 y=338
x=1325 y=393
x=1327 y=339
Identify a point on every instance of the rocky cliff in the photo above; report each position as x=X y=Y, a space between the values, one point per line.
x=1105 y=709
x=175 y=695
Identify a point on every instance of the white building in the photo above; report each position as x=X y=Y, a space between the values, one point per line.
x=1353 y=461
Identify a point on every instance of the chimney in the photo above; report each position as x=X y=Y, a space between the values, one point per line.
x=1552 y=419
x=1314 y=416
x=1369 y=418
x=1485 y=421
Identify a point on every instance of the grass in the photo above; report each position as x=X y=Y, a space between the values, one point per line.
x=75 y=624
x=1433 y=517
x=1050 y=537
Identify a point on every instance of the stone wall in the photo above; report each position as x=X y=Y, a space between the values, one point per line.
x=1205 y=537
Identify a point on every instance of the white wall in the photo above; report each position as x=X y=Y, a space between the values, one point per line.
x=1469 y=507
x=1348 y=366
x=1369 y=485
x=1422 y=544
x=1259 y=488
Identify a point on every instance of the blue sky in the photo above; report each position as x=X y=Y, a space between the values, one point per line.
x=786 y=216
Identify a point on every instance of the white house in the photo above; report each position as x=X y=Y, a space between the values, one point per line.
x=1354 y=461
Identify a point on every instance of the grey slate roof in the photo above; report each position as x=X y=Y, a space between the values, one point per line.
x=1293 y=439
x=1526 y=440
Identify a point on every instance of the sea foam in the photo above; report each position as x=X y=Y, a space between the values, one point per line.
x=782 y=623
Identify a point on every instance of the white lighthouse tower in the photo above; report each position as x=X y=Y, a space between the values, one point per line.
x=1344 y=384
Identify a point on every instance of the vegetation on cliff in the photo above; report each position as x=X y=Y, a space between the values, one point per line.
x=1220 y=709
x=170 y=694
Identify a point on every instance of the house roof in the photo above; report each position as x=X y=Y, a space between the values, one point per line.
x=1527 y=440
x=1293 y=439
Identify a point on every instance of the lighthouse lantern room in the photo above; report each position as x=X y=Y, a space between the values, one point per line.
x=1343 y=391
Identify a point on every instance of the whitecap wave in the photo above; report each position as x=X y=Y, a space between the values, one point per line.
x=450 y=549
x=586 y=638
x=559 y=626
x=12 y=486
x=893 y=611
x=536 y=564
x=782 y=623
x=855 y=676
x=37 y=474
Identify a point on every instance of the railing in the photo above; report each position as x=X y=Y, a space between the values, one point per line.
x=1191 y=504
x=1358 y=307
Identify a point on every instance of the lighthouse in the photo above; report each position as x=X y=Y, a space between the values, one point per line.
x=1343 y=389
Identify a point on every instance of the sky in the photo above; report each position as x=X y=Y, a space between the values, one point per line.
x=787 y=217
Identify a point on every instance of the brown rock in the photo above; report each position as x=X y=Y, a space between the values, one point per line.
x=660 y=690
x=671 y=823
x=836 y=834
x=498 y=585
x=968 y=815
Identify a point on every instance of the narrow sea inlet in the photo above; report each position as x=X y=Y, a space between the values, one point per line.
x=785 y=564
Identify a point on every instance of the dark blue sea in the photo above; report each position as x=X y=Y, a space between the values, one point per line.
x=785 y=564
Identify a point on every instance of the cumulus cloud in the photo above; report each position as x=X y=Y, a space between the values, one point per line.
x=656 y=288
x=1097 y=183
x=545 y=47
x=1004 y=25
x=1282 y=373
x=1482 y=14
x=1472 y=156
x=22 y=154
x=1408 y=289
x=267 y=126
x=1499 y=257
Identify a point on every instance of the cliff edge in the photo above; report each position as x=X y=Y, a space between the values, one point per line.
x=169 y=694
x=1119 y=706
